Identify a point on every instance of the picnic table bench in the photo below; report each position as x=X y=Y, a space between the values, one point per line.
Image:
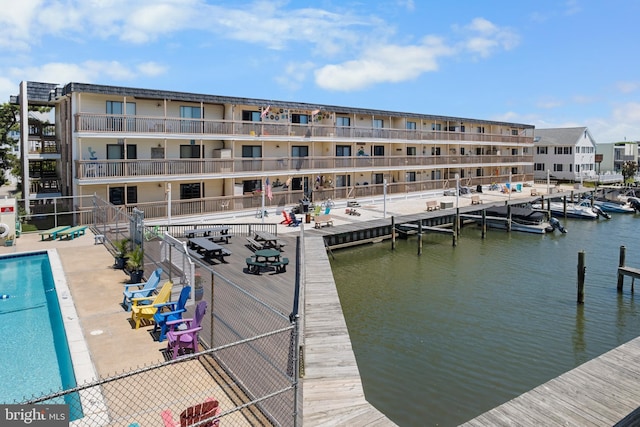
x=266 y=258
x=255 y=245
x=72 y=233
x=432 y=205
x=323 y=219
x=208 y=250
x=220 y=230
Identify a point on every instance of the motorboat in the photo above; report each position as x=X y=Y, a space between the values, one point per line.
x=580 y=210
x=615 y=206
x=523 y=219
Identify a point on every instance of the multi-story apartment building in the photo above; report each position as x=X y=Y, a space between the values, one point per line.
x=614 y=155
x=565 y=153
x=207 y=153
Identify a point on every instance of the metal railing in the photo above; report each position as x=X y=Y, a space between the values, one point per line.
x=113 y=123
x=219 y=168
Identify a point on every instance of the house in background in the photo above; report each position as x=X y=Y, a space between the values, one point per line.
x=565 y=154
x=613 y=155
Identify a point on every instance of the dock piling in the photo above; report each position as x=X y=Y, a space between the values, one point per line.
x=581 y=274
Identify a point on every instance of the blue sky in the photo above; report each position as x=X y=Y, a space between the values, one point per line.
x=549 y=63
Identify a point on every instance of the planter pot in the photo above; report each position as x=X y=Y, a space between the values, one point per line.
x=136 y=276
x=198 y=293
x=120 y=263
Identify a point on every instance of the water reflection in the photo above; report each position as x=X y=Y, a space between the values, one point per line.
x=444 y=336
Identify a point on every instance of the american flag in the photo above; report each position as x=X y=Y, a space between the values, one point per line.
x=265 y=111
x=314 y=112
x=268 y=191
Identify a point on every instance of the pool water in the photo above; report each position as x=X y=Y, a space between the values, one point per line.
x=35 y=359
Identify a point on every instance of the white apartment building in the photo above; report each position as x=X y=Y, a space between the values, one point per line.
x=137 y=147
x=566 y=154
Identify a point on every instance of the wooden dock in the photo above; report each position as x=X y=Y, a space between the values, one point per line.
x=602 y=392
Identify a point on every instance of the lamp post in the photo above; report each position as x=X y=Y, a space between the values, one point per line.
x=457 y=230
x=384 y=203
x=168 y=195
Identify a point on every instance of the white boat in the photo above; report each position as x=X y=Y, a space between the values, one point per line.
x=526 y=220
x=614 y=206
x=581 y=210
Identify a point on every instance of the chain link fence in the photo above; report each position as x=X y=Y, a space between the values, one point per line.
x=248 y=359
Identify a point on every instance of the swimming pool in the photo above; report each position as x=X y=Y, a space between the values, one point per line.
x=35 y=313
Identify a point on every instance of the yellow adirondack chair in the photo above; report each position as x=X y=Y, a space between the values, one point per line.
x=145 y=307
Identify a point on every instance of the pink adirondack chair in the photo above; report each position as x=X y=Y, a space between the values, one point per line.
x=183 y=339
x=194 y=414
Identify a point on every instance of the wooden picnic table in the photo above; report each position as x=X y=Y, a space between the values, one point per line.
x=268 y=240
x=208 y=249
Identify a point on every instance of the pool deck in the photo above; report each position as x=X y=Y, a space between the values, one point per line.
x=600 y=392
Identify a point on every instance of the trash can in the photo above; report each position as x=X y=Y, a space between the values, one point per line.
x=307 y=218
x=479 y=188
x=305 y=206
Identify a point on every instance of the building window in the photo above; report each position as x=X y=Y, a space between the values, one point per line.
x=514 y=171
x=378 y=150
x=514 y=151
x=190 y=126
x=514 y=132
x=190 y=191
x=343 y=121
x=116 y=151
x=343 y=150
x=299 y=151
x=479 y=172
x=300 y=118
x=436 y=175
x=251 y=151
x=378 y=123
x=378 y=178
x=480 y=129
x=436 y=126
x=251 y=185
x=435 y=151
x=117 y=109
x=250 y=116
x=343 y=180
x=117 y=195
x=411 y=126
x=538 y=167
x=557 y=167
x=411 y=151
x=541 y=150
x=410 y=176
x=190 y=151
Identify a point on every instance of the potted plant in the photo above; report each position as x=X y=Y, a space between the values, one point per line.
x=197 y=286
x=122 y=247
x=135 y=264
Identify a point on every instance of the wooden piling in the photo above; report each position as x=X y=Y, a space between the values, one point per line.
x=393 y=232
x=455 y=233
x=581 y=274
x=623 y=254
x=484 y=223
x=420 y=238
x=508 y=218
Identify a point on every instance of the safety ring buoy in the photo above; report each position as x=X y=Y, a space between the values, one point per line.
x=4 y=230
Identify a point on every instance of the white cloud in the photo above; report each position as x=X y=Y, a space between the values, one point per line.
x=627 y=87
x=380 y=64
x=295 y=75
x=484 y=38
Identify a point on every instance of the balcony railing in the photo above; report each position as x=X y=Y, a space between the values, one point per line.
x=44 y=147
x=90 y=169
x=105 y=123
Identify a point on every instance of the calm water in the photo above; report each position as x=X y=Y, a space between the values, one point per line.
x=443 y=337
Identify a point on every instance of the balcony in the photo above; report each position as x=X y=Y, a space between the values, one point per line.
x=229 y=129
x=222 y=168
x=43 y=147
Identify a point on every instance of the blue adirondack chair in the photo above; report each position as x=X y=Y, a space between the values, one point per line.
x=175 y=310
x=143 y=289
